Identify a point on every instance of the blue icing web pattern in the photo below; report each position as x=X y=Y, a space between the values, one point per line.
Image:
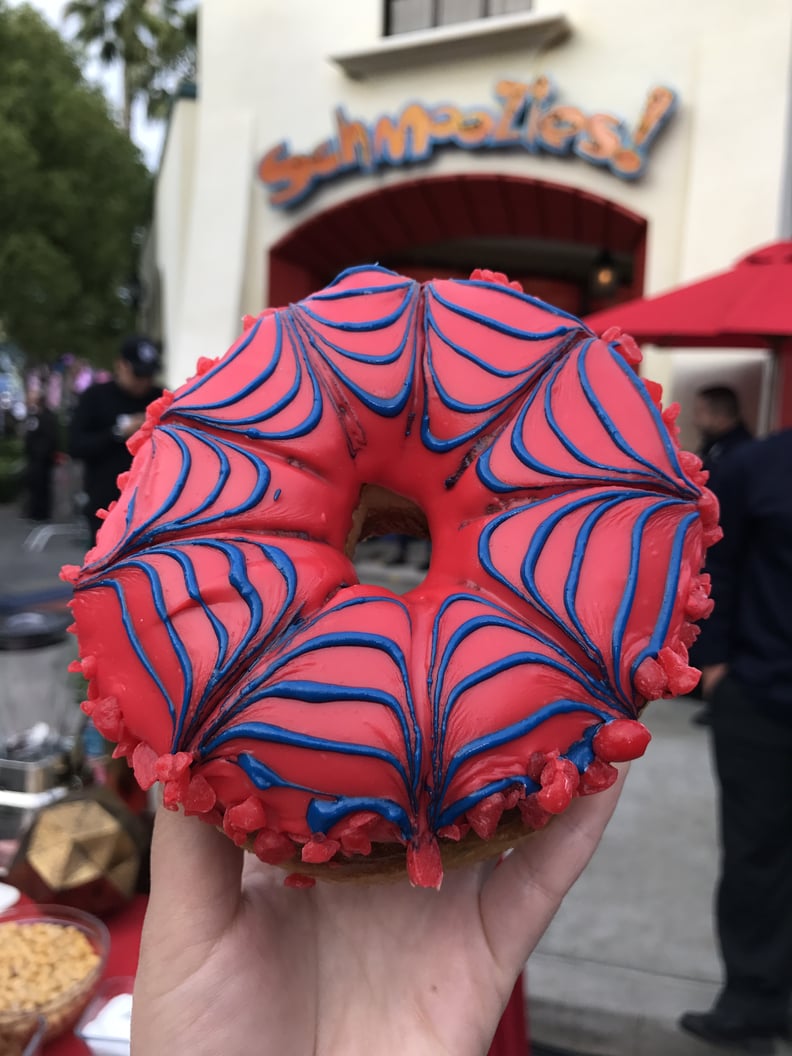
x=491 y=397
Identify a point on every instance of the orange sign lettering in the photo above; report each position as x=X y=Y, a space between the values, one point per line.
x=527 y=117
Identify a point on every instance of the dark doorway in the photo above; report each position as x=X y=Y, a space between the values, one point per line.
x=553 y=239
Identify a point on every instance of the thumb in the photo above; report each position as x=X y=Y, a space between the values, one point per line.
x=195 y=879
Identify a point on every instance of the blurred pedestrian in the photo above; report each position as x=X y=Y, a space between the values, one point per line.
x=106 y=415
x=718 y=418
x=745 y=650
x=41 y=449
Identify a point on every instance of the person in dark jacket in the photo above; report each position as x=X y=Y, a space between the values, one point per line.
x=41 y=448
x=718 y=418
x=745 y=650
x=106 y=416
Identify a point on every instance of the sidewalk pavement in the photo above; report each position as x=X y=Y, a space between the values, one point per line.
x=29 y=578
x=632 y=947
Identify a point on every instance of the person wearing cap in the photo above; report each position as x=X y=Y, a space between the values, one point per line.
x=106 y=416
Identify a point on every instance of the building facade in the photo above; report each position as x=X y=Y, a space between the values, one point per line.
x=595 y=150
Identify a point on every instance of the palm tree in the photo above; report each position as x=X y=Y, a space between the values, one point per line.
x=144 y=36
x=177 y=57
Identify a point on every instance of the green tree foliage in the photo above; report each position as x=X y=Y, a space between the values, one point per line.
x=154 y=41
x=177 y=57
x=74 y=196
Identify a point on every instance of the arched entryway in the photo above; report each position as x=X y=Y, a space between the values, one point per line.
x=552 y=238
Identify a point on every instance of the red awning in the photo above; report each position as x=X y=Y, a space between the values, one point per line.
x=748 y=306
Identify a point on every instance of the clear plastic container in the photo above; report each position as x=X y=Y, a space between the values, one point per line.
x=62 y=1010
x=105 y=1024
x=34 y=1046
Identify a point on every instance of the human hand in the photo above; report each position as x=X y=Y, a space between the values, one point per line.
x=710 y=677
x=233 y=962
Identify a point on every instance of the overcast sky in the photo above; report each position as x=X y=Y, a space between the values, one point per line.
x=147 y=136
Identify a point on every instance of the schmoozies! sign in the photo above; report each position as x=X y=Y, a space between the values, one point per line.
x=527 y=117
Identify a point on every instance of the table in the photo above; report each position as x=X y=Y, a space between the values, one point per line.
x=125 y=927
x=512 y=1036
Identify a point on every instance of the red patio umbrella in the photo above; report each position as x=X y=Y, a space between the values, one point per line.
x=748 y=306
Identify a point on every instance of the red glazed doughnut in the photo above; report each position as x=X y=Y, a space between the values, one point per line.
x=338 y=729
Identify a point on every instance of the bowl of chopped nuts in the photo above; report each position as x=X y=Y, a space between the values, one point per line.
x=51 y=961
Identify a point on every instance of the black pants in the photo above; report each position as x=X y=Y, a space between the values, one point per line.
x=753 y=754
x=39 y=484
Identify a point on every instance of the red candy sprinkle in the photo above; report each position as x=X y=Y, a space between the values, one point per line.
x=272 y=847
x=248 y=815
x=485 y=275
x=320 y=849
x=172 y=767
x=699 y=604
x=650 y=679
x=598 y=776
x=355 y=843
x=624 y=344
x=486 y=814
x=297 y=880
x=681 y=677
x=144 y=763
x=205 y=364
x=125 y=746
x=655 y=391
x=671 y=413
x=200 y=796
x=620 y=740
x=559 y=780
x=174 y=773
x=536 y=765
x=107 y=718
x=424 y=863
x=688 y=633
x=533 y=815
x=355 y=833
x=243 y=818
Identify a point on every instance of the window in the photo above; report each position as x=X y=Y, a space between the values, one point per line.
x=404 y=16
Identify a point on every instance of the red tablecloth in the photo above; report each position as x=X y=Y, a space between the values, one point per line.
x=510 y=1038
x=125 y=928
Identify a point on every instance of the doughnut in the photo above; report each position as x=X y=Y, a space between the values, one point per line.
x=340 y=730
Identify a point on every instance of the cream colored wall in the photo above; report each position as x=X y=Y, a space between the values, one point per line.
x=174 y=217
x=712 y=187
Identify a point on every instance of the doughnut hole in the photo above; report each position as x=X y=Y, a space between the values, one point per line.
x=382 y=512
